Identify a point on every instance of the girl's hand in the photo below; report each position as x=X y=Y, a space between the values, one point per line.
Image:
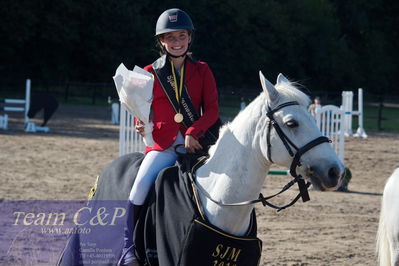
x=139 y=127
x=191 y=144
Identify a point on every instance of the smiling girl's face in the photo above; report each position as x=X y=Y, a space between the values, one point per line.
x=176 y=42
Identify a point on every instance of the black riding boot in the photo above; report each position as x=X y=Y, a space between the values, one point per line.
x=128 y=256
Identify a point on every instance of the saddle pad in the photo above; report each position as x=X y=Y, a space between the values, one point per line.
x=172 y=231
x=207 y=245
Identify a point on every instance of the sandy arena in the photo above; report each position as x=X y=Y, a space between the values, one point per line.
x=334 y=228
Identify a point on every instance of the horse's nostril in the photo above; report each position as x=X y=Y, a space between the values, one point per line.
x=333 y=173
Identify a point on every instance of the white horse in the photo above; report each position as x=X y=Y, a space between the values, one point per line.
x=270 y=130
x=388 y=229
x=275 y=128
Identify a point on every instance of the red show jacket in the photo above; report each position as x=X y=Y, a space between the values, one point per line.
x=201 y=87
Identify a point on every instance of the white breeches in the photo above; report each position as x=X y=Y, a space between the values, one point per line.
x=153 y=163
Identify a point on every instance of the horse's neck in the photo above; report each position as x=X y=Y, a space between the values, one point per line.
x=234 y=173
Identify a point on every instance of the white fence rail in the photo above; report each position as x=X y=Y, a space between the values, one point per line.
x=129 y=140
x=330 y=120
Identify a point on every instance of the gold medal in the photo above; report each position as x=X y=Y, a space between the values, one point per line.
x=178 y=118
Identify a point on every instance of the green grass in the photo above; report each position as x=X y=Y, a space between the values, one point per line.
x=390 y=122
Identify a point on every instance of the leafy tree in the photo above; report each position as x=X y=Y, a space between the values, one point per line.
x=324 y=44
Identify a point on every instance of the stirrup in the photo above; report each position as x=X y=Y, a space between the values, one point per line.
x=134 y=262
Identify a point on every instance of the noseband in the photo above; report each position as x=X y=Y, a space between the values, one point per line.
x=289 y=145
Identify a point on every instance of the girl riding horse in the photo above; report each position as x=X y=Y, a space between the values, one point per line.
x=183 y=89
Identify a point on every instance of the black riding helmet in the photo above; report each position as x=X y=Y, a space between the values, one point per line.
x=173 y=19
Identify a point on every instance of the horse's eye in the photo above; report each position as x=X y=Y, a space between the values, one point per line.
x=292 y=123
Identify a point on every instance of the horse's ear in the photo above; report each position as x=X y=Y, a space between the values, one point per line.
x=282 y=79
x=268 y=88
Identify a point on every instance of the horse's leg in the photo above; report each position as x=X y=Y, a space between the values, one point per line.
x=388 y=229
x=395 y=250
x=391 y=194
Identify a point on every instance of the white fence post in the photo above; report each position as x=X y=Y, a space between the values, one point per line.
x=27 y=101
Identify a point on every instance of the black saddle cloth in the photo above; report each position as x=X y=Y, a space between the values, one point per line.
x=173 y=231
x=170 y=229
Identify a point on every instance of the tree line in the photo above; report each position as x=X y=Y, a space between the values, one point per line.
x=329 y=45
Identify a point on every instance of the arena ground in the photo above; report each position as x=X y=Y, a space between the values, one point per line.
x=334 y=228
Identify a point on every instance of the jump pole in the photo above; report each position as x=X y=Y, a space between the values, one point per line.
x=279 y=172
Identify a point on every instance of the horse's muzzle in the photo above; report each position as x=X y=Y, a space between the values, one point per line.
x=326 y=178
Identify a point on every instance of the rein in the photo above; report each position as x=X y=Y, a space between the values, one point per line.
x=262 y=199
x=303 y=187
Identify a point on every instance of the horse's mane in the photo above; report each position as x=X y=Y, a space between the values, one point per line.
x=288 y=92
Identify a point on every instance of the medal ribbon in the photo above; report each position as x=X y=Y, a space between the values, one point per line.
x=178 y=90
x=185 y=111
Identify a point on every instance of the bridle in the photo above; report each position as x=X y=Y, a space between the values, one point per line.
x=290 y=146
